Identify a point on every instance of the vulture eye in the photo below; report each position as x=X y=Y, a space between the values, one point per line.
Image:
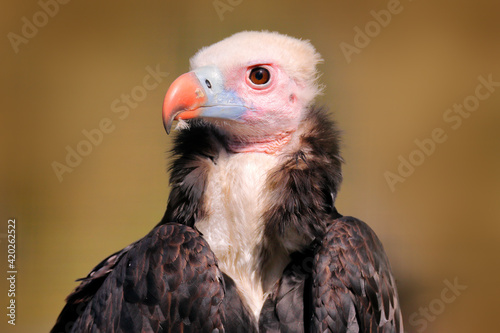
x=259 y=76
x=209 y=85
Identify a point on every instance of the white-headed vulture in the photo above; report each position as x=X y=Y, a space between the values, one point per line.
x=251 y=240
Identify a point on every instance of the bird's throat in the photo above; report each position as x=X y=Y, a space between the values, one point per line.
x=269 y=144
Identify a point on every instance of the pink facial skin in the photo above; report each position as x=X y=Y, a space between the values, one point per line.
x=273 y=107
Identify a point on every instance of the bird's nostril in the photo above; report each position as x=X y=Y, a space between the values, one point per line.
x=209 y=85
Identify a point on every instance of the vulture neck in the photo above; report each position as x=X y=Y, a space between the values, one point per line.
x=256 y=203
x=269 y=144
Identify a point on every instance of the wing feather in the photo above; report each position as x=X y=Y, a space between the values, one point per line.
x=168 y=281
x=342 y=284
x=352 y=284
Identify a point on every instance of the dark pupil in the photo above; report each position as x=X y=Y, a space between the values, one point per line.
x=259 y=74
x=209 y=85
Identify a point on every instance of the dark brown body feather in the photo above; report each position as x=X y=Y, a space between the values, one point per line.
x=338 y=281
x=342 y=283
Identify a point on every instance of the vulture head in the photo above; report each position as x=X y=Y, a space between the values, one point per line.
x=254 y=86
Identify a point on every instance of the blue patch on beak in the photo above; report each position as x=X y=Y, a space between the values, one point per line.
x=221 y=103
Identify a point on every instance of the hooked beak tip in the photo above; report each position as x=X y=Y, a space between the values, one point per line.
x=184 y=96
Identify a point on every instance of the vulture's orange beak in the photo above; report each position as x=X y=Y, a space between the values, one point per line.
x=183 y=99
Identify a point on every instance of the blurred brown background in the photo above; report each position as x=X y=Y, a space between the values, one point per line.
x=440 y=224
